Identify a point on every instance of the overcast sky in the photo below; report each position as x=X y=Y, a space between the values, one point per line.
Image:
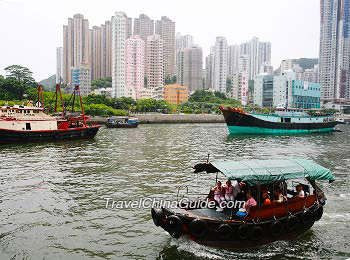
x=32 y=29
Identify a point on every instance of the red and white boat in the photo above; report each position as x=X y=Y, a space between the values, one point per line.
x=19 y=124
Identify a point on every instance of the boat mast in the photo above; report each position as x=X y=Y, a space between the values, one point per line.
x=58 y=90
x=40 y=96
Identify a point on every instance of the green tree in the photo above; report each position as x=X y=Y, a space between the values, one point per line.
x=20 y=73
x=101 y=83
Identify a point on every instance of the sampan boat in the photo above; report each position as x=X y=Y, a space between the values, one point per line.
x=262 y=223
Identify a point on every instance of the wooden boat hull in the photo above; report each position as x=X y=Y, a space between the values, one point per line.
x=256 y=229
x=245 y=124
x=12 y=136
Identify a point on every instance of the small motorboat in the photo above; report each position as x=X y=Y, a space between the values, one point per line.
x=122 y=122
x=253 y=226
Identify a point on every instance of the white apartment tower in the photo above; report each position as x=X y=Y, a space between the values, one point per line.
x=155 y=62
x=232 y=59
x=59 y=65
x=135 y=64
x=220 y=64
x=76 y=47
x=190 y=68
x=119 y=35
x=166 y=29
x=334 y=61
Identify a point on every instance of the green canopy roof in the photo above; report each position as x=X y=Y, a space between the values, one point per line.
x=267 y=171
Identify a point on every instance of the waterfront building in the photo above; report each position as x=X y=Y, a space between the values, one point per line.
x=59 y=65
x=239 y=87
x=81 y=76
x=263 y=90
x=119 y=36
x=220 y=64
x=233 y=54
x=175 y=94
x=291 y=92
x=155 y=62
x=135 y=60
x=334 y=59
x=190 y=68
x=76 y=45
x=166 y=29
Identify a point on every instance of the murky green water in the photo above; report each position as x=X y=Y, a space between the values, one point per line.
x=53 y=194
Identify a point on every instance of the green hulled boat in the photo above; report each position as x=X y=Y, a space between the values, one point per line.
x=283 y=121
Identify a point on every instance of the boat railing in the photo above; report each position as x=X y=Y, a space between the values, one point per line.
x=188 y=193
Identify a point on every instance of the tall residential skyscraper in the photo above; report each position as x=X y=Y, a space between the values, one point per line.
x=155 y=62
x=190 y=64
x=334 y=61
x=209 y=69
x=135 y=63
x=96 y=52
x=166 y=29
x=143 y=26
x=119 y=35
x=106 y=48
x=182 y=42
x=76 y=47
x=232 y=59
x=59 y=65
x=220 y=64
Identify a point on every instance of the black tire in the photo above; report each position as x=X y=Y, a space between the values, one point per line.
x=243 y=231
x=307 y=218
x=157 y=215
x=276 y=228
x=257 y=233
x=291 y=223
x=225 y=231
x=317 y=214
x=198 y=228
x=173 y=225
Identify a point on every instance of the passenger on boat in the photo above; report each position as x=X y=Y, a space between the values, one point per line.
x=267 y=199
x=218 y=194
x=279 y=197
x=228 y=191
x=300 y=193
x=250 y=201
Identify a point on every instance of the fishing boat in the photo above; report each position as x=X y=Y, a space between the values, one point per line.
x=21 y=124
x=257 y=225
x=122 y=122
x=282 y=121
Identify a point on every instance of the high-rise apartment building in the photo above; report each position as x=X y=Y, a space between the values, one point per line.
x=76 y=45
x=334 y=60
x=209 y=69
x=119 y=36
x=233 y=54
x=106 y=50
x=166 y=29
x=59 y=65
x=81 y=75
x=96 y=52
x=135 y=63
x=155 y=62
x=239 y=87
x=190 y=68
x=220 y=64
x=143 y=26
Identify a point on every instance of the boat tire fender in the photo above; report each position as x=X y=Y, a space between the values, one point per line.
x=291 y=223
x=276 y=228
x=173 y=225
x=157 y=215
x=243 y=231
x=306 y=217
x=257 y=233
x=198 y=228
x=317 y=214
x=225 y=231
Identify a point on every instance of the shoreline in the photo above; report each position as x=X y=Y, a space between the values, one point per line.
x=168 y=119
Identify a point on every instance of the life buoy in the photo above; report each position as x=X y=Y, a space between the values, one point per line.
x=243 y=231
x=225 y=231
x=157 y=215
x=257 y=233
x=291 y=223
x=276 y=228
x=317 y=214
x=198 y=228
x=306 y=217
x=173 y=225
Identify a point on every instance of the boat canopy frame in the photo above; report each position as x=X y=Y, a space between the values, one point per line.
x=256 y=172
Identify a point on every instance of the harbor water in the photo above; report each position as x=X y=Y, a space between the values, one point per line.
x=53 y=206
